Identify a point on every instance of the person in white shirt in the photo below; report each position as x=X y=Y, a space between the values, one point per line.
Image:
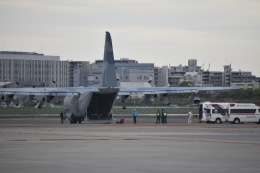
x=189 y=117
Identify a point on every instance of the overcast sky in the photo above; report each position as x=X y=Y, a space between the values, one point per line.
x=215 y=32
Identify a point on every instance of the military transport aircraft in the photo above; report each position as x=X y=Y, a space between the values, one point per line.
x=95 y=103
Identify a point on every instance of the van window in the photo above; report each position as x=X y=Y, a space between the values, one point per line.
x=243 y=110
x=220 y=111
x=250 y=110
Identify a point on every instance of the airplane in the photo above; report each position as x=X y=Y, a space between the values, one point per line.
x=96 y=103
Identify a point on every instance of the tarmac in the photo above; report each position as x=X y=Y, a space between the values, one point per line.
x=32 y=145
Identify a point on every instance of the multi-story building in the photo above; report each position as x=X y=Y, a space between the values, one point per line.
x=33 y=69
x=176 y=73
x=243 y=79
x=29 y=68
x=161 y=76
x=198 y=77
x=191 y=73
x=212 y=78
x=78 y=73
x=127 y=70
x=227 y=75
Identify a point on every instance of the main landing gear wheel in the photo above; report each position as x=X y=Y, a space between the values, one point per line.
x=73 y=120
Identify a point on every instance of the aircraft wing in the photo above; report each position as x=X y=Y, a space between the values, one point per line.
x=122 y=90
x=47 y=91
x=166 y=90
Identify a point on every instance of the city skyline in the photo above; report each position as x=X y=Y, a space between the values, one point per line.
x=161 y=32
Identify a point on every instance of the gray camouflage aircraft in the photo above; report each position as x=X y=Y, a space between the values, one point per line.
x=95 y=103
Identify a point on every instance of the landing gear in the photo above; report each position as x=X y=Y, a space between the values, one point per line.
x=74 y=120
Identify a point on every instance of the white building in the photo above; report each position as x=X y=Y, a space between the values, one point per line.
x=127 y=70
x=30 y=68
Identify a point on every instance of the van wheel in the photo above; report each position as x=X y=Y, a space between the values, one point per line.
x=236 y=120
x=218 y=121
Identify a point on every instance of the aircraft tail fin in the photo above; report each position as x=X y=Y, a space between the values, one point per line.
x=109 y=71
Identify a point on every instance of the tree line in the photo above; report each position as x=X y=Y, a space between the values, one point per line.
x=235 y=96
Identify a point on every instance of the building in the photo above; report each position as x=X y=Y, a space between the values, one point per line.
x=212 y=78
x=33 y=69
x=161 y=76
x=127 y=70
x=198 y=77
x=78 y=73
x=190 y=73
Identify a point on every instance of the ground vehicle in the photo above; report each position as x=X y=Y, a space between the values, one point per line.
x=213 y=112
x=203 y=111
x=243 y=112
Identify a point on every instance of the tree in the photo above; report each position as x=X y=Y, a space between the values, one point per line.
x=186 y=84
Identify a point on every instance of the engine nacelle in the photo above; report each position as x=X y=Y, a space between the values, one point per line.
x=29 y=101
x=194 y=99
x=123 y=99
x=8 y=99
x=163 y=98
x=49 y=98
x=147 y=99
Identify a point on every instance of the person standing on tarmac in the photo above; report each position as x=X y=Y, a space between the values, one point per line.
x=61 y=117
x=134 y=114
x=189 y=117
x=163 y=118
x=158 y=117
x=164 y=115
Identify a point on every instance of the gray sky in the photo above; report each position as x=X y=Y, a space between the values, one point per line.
x=215 y=32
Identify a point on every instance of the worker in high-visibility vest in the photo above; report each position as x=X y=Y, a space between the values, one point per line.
x=158 y=117
x=164 y=116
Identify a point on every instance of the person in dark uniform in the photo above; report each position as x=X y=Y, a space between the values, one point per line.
x=61 y=117
x=158 y=117
x=164 y=117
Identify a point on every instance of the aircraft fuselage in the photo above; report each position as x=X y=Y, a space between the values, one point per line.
x=90 y=105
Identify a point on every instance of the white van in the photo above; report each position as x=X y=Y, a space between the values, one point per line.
x=243 y=112
x=213 y=112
